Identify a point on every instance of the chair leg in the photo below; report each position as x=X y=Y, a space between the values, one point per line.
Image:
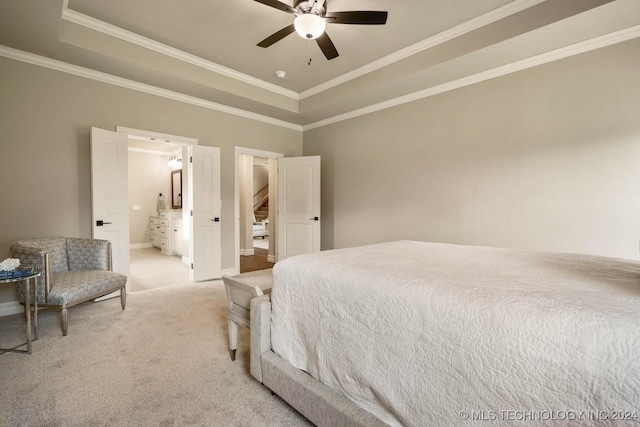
x=233 y=338
x=63 y=321
x=123 y=297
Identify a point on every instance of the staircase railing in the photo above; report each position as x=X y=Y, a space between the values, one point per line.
x=261 y=197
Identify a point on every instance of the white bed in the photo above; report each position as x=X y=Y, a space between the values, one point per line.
x=427 y=334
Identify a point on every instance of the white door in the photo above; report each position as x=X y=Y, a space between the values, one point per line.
x=205 y=252
x=298 y=223
x=109 y=195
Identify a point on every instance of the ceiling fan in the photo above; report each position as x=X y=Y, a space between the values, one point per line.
x=312 y=18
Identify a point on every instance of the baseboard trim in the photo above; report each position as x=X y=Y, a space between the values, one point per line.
x=9 y=308
x=185 y=260
x=140 y=245
x=271 y=258
x=247 y=252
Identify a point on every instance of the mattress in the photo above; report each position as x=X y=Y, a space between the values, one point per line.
x=434 y=334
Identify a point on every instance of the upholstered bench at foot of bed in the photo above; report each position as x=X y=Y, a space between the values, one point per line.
x=240 y=290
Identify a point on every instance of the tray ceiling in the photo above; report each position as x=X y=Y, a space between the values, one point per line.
x=205 y=51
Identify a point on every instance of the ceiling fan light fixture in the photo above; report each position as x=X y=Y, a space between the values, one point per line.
x=309 y=26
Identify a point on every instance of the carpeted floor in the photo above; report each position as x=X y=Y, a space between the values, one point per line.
x=164 y=361
x=150 y=269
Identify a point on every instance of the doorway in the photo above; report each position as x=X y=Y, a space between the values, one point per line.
x=256 y=257
x=255 y=183
x=156 y=256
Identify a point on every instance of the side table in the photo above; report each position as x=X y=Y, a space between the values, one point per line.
x=27 y=303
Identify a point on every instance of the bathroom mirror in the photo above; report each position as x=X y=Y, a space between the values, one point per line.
x=176 y=189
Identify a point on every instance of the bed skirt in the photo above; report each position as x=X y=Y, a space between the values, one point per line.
x=317 y=402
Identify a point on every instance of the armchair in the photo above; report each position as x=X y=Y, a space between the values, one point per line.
x=259 y=228
x=73 y=271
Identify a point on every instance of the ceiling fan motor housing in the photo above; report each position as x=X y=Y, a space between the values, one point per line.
x=317 y=7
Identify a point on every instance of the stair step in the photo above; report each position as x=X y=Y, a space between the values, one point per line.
x=262 y=213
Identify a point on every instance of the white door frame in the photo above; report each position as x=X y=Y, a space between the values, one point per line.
x=156 y=136
x=238 y=151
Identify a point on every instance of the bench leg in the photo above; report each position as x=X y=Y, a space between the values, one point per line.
x=233 y=338
x=63 y=321
x=123 y=297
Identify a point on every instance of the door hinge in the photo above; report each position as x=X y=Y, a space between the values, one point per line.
x=190 y=159
x=192 y=266
x=191 y=213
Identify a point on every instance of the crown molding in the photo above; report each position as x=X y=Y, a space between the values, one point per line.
x=122 y=34
x=76 y=70
x=428 y=43
x=565 y=52
x=544 y=58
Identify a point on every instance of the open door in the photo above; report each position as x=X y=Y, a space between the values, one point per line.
x=298 y=223
x=109 y=195
x=205 y=243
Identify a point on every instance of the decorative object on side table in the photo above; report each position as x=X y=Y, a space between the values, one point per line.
x=9 y=264
x=10 y=268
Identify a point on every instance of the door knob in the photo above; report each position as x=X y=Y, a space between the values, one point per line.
x=315 y=218
x=100 y=223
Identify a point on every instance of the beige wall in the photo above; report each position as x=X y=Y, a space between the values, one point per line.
x=46 y=116
x=544 y=159
x=149 y=175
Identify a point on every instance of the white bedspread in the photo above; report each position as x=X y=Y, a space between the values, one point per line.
x=424 y=334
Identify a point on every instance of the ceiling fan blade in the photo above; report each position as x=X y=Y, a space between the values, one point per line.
x=363 y=17
x=276 y=37
x=278 y=5
x=327 y=46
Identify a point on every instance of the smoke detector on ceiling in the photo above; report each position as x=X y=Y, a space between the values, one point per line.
x=281 y=74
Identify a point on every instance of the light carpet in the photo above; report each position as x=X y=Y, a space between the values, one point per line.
x=163 y=361
x=150 y=269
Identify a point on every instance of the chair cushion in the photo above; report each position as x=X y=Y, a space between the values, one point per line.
x=80 y=285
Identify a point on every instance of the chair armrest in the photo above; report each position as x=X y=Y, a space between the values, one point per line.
x=38 y=259
x=260 y=333
x=88 y=254
x=27 y=251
